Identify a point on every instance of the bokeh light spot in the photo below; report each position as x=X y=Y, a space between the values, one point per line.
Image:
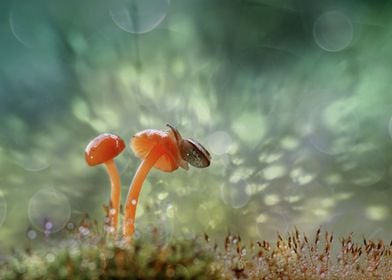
x=377 y=212
x=320 y=212
x=240 y=173
x=300 y=176
x=30 y=33
x=364 y=164
x=293 y=198
x=271 y=199
x=49 y=210
x=138 y=16
x=50 y=257
x=274 y=171
x=327 y=202
x=80 y=110
x=234 y=194
x=34 y=160
x=31 y=234
x=162 y=196
x=333 y=31
x=219 y=142
x=262 y=218
x=171 y=211
x=250 y=127
x=334 y=127
x=333 y=179
x=294 y=193
x=289 y=143
x=343 y=195
x=273 y=157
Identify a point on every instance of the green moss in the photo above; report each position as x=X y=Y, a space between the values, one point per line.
x=294 y=256
x=88 y=259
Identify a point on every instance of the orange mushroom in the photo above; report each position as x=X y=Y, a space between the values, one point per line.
x=165 y=150
x=103 y=149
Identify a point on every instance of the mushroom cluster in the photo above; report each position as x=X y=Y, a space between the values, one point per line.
x=164 y=150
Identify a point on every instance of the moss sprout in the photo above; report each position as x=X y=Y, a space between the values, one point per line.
x=300 y=257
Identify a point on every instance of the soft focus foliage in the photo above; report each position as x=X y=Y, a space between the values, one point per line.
x=291 y=97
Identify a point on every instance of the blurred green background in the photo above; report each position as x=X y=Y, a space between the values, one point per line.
x=291 y=97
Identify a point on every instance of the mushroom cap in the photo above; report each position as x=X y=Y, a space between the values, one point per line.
x=143 y=142
x=102 y=148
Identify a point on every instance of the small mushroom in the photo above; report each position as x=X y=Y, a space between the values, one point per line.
x=166 y=151
x=103 y=149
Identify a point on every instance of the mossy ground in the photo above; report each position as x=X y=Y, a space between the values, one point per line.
x=89 y=255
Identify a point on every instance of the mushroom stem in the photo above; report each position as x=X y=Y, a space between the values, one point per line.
x=136 y=186
x=114 y=204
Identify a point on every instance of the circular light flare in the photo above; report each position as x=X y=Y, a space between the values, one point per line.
x=139 y=16
x=34 y=160
x=333 y=31
x=31 y=34
x=49 y=210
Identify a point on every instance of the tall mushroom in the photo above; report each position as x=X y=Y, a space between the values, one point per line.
x=166 y=151
x=103 y=149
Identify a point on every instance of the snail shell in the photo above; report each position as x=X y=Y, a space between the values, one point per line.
x=191 y=151
x=194 y=153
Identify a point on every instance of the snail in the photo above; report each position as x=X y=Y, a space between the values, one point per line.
x=166 y=151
